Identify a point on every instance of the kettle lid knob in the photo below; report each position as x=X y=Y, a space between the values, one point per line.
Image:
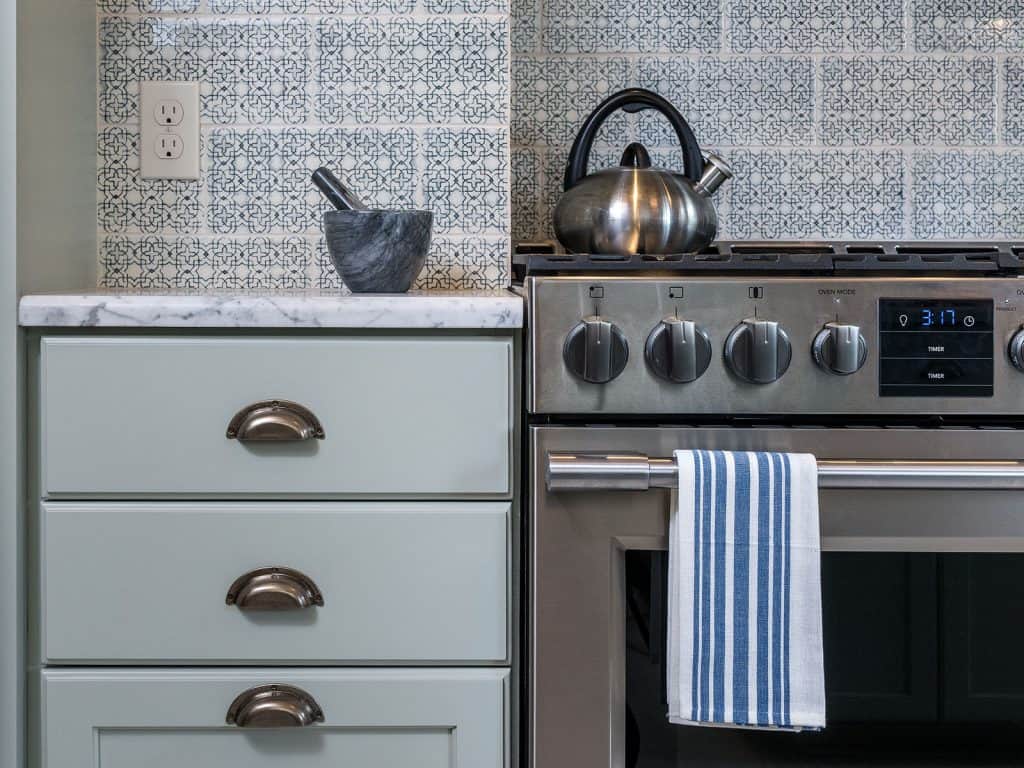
x=635 y=156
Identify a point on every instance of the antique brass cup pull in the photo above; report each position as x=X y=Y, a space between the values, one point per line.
x=274 y=706
x=275 y=421
x=274 y=589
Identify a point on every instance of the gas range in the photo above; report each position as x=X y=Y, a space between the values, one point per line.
x=774 y=328
x=898 y=366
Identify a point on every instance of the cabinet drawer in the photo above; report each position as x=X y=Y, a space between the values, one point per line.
x=400 y=582
x=371 y=719
x=401 y=416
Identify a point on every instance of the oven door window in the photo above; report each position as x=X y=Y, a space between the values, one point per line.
x=923 y=667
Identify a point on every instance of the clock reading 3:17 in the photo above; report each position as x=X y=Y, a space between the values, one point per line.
x=938 y=317
x=926 y=316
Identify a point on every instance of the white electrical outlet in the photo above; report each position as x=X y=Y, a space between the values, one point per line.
x=170 y=146
x=169 y=112
x=169 y=140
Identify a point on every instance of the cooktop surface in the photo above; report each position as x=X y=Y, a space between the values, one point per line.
x=794 y=258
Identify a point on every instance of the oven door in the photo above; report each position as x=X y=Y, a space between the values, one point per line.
x=579 y=540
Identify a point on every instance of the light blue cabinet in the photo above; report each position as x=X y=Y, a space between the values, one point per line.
x=422 y=582
x=177 y=569
x=371 y=719
x=144 y=417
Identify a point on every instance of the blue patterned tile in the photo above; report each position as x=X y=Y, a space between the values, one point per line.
x=774 y=26
x=551 y=96
x=525 y=21
x=527 y=219
x=364 y=7
x=402 y=7
x=495 y=7
x=252 y=71
x=538 y=181
x=760 y=100
x=326 y=276
x=807 y=194
x=259 y=179
x=968 y=194
x=1013 y=106
x=467 y=262
x=968 y=25
x=453 y=263
x=552 y=182
x=128 y=203
x=147 y=6
x=258 y=6
x=465 y=178
x=612 y=26
x=204 y=263
x=897 y=100
x=407 y=70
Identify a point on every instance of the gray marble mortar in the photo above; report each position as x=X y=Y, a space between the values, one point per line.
x=378 y=251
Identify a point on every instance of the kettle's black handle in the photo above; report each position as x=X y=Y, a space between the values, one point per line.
x=632 y=100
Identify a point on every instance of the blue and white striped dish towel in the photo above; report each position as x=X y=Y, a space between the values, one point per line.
x=744 y=615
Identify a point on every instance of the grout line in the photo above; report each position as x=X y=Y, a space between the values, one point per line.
x=542 y=25
x=312 y=89
x=817 y=104
x=694 y=54
x=96 y=150
x=908 y=193
x=1000 y=98
x=419 y=161
x=137 y=234
x=908 y=27
x=725 y=27
x=133 y=124
x=310 y=18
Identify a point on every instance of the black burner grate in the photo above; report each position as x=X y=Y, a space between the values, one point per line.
x=797 y=258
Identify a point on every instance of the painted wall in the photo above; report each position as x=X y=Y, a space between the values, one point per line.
x=872 y=119
x=12 y=607
x=408 y=100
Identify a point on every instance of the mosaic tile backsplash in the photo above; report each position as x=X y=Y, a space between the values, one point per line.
x=407 y=100
x=842 y=119
x=889 y=119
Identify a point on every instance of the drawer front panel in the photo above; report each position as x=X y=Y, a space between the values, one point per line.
x=401 y=582
x=145 y=417
x=371 y=719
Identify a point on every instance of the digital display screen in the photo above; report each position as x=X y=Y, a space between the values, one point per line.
x=916 y=315
x=935 y=348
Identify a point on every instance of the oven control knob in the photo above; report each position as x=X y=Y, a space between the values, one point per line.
x=1016 y=350
x=839 y=349
x=595 y=350
x=678 y=350
x=758 y=351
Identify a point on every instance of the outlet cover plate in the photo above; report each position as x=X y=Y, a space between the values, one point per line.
x=153 y=164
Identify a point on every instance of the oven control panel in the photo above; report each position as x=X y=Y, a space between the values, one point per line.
x=781 y=345
x=928 y=348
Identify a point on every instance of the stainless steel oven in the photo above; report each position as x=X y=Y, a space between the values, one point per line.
x=960 y=494
x=922 y=501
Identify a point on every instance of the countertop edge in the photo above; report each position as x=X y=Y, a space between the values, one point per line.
x=456 y=311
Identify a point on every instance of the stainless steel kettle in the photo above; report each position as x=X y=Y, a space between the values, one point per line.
x=635 y=208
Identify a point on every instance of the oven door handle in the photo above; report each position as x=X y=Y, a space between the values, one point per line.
x=636 y=472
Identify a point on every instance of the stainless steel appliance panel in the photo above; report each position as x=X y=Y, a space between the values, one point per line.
x=801 y=305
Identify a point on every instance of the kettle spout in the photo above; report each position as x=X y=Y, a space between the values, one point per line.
x=716 y=173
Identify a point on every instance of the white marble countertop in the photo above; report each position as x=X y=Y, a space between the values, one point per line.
x=416 y=309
